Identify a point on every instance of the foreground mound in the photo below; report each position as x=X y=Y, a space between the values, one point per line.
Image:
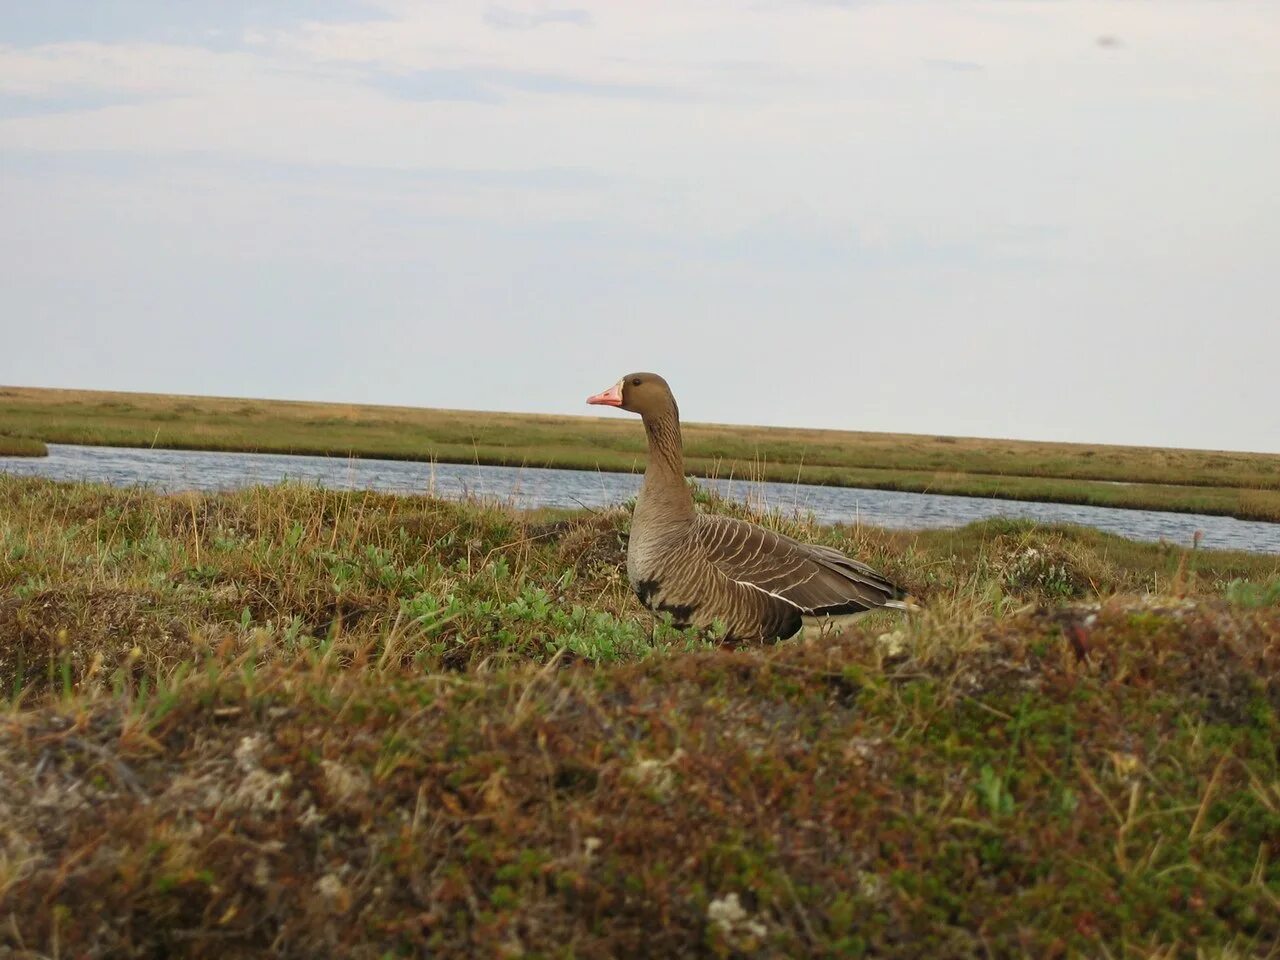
x=312 y=724
x=1042 y=785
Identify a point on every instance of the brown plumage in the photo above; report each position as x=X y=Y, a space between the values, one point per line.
x=704 y=569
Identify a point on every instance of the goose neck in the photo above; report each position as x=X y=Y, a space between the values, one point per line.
x=664 y=481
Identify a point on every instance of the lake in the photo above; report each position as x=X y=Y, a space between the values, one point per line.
x=173 y=470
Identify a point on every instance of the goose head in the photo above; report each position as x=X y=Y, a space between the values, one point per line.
x=644 y=393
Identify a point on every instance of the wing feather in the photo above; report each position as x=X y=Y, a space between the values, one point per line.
x=815 y=580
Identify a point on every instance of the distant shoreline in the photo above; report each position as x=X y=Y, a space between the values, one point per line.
x=1241 y=485
x=22 y=447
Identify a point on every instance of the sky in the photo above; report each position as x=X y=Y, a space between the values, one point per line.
x=1043 y=219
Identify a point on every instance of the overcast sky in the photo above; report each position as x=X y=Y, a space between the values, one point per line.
x=1051 y=220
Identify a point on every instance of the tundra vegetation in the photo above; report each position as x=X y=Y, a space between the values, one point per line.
x=1244 y=485
x=309 y=723
x=22 y=447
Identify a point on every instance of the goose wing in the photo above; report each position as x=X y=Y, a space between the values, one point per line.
x=815 y=580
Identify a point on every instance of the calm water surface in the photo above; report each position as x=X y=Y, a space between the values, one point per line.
x=171 y=470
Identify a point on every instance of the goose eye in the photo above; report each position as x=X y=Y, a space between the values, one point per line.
x=635 y=381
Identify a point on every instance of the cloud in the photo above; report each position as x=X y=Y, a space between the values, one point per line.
x=491 y=85
x=89 y=68
x=502 y=18
x=143 y=166
x=955 y=66
x=212 y=23
x=426 y=85
x=15 y=105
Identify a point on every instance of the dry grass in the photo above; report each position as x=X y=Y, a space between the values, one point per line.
x=319 y=724
x=1234 y=484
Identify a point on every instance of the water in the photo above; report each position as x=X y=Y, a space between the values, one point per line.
x=171 y=470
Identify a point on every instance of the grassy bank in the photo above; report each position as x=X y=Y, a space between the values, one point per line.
x=22 y=447
x=354 y=724
x=1228 y=484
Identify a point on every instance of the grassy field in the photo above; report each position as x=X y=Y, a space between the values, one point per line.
x=351 y=724
x=22 y=447
x=1231 y=484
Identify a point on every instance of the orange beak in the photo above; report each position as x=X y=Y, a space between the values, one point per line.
x=610 y=398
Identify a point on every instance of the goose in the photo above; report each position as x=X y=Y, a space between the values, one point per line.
x=703 y=569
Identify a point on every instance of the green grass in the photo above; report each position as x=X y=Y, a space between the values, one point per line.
x=320 y=723
x=22 y=447
x=1232 y=484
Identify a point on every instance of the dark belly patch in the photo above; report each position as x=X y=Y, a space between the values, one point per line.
x=646 y=590
x=681 y=613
